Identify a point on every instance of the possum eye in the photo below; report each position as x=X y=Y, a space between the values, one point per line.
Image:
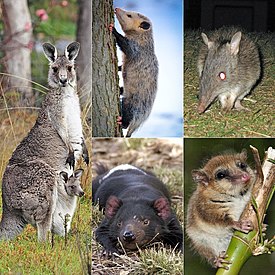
x=69 y=68
x=129 y=15
x=146 y=222
x=241 y=165
x=221 y=174
x=222 y=75
x=55 y=69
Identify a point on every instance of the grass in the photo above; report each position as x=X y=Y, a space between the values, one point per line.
x=24 y=255
x=259 y=122
x=164 y=158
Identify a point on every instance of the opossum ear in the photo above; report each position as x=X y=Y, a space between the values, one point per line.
x=200 y=177
x=145 y=25
x=112 y=205
x=235 y=43
x=206 y=41
x=163 y=208
x=72 y=50
x=64 y=176
x=50 y=51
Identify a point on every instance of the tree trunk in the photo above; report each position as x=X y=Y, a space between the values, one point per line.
x=105 y=87
x=84 y=36
x=17 y=47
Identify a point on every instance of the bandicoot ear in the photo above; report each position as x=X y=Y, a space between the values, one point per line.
x=50 y=51
x=72 y=50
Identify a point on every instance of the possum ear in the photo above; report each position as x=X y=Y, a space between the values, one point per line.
x=50 y=51
x=235 y=43
x=112 y=206
x=145 y=25
x=163 y=208
x=206 y=41
x=243 y=155
x=72 y=50
x=200 y=177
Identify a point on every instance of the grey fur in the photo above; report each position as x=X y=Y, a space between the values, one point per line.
x=139 y=69
x=231 y=52
x=56 y=139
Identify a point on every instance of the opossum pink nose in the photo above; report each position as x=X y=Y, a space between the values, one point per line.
x=128 y=236
x=245 y=177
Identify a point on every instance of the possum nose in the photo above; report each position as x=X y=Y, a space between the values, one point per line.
x=128 y=236
x=245 y=177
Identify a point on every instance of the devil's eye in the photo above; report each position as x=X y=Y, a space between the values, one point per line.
x=146 y=222
x=129 y=15
x=55 y=69
x=119 y=224
x=241 y=165
x=221 y=174
x=222 y=75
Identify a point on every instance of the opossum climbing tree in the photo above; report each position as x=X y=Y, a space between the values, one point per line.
x=105 y=87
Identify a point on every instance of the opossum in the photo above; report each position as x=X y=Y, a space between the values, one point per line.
x=139 y=68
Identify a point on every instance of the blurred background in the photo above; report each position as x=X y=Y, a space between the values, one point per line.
x=166 y=16
x=196 y=152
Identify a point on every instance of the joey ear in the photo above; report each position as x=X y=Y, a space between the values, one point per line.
x=163 y=208
x=72 y=50
x=235 y=43
x=64 y=176
x=78 y=173
x=112 y=205
x=206 y=41
x=200 y=177
x=145 y=25
x=50 y=51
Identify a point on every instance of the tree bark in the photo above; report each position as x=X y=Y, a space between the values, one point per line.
x=105 y=87
x=17 y=47
x=84 y=66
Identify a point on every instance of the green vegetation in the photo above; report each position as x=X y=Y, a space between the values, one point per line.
x=259 y=122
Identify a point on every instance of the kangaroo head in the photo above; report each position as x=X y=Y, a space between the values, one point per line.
x=62 y=70
x=72 y=183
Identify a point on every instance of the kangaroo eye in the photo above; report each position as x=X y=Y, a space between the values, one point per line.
x=129 y=15
x=55 y=69
x=222 y=75
x=70 y=68
x=72 y=187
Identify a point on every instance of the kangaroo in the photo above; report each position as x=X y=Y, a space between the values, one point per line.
x=56 y=140
x=69 y=188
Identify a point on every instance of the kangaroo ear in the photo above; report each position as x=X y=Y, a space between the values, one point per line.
x=78 y=173
x=64 y=176
x=50 y=51
x=72 y=50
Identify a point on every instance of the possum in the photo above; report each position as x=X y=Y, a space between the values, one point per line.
x=229 y=67
x=139 y=68
x=137 y=209
x=223 y=191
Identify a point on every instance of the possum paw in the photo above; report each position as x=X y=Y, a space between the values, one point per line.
x=220 y=262
x=244 y=226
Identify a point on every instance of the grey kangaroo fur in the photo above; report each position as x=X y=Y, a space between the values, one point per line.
x=54 y=144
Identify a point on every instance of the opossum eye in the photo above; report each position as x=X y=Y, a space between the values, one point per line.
x=146 y=222
x=241 y=165
x=129 y=15
x=144 y=25
x=222 y=75
x=55 y=69
x=221 y=174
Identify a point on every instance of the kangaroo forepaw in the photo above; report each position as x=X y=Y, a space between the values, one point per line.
x=86 y=158
x=71 y=160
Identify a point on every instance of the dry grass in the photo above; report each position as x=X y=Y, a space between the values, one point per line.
x=164 y=158
x=259 y=122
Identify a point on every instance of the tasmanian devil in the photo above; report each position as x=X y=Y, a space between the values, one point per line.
x=137 y=209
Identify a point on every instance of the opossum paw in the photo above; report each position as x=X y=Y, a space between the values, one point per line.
x=220 y=262
x=111 y=27
x=71 y=160
x=119 y=120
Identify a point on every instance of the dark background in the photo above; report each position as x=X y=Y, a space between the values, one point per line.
x=252 y=15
